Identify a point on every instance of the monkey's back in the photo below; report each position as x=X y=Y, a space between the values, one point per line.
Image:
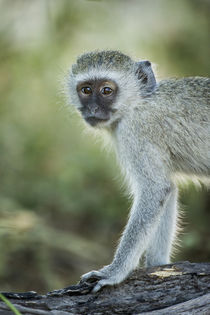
x=190 y=87
x=177 y=119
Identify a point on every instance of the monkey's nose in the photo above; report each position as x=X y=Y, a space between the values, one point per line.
x=94 y=110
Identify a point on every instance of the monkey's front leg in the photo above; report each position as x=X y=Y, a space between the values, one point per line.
x=144 y=217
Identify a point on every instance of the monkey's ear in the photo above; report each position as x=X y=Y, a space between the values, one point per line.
x=146 y=77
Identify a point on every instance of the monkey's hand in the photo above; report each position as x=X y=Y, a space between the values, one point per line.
x=108 y=275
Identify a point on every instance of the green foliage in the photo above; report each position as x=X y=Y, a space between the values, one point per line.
x=57 y=193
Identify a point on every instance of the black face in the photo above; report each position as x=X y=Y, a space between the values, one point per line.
x=96 y=97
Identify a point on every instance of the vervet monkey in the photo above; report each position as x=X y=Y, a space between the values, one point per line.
x=159 y=130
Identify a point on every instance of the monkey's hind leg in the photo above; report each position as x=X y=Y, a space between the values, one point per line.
x=159 y=249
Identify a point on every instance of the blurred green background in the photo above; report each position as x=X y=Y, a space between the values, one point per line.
x=62 y=208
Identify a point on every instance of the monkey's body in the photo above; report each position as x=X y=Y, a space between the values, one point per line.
x=158 y=130
x=175 y=125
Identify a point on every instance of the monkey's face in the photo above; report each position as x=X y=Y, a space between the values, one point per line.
x=97 y=97
x=104 y=85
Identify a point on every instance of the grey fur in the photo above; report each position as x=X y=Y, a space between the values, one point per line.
x=157 y=134
x=105 y=59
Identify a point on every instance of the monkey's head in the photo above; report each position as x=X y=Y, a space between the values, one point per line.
x=103 y=84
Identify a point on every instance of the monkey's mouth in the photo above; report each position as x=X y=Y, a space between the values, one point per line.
x=93 y=121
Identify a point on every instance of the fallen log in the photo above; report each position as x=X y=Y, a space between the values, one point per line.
x=179 y=288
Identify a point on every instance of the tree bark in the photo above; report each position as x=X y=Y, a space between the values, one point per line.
x=180 y=288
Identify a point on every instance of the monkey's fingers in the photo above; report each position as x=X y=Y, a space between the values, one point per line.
x=92 y=276
x=102 y=283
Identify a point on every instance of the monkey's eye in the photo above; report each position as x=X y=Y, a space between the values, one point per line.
x=106 y=90
x=86 y=90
